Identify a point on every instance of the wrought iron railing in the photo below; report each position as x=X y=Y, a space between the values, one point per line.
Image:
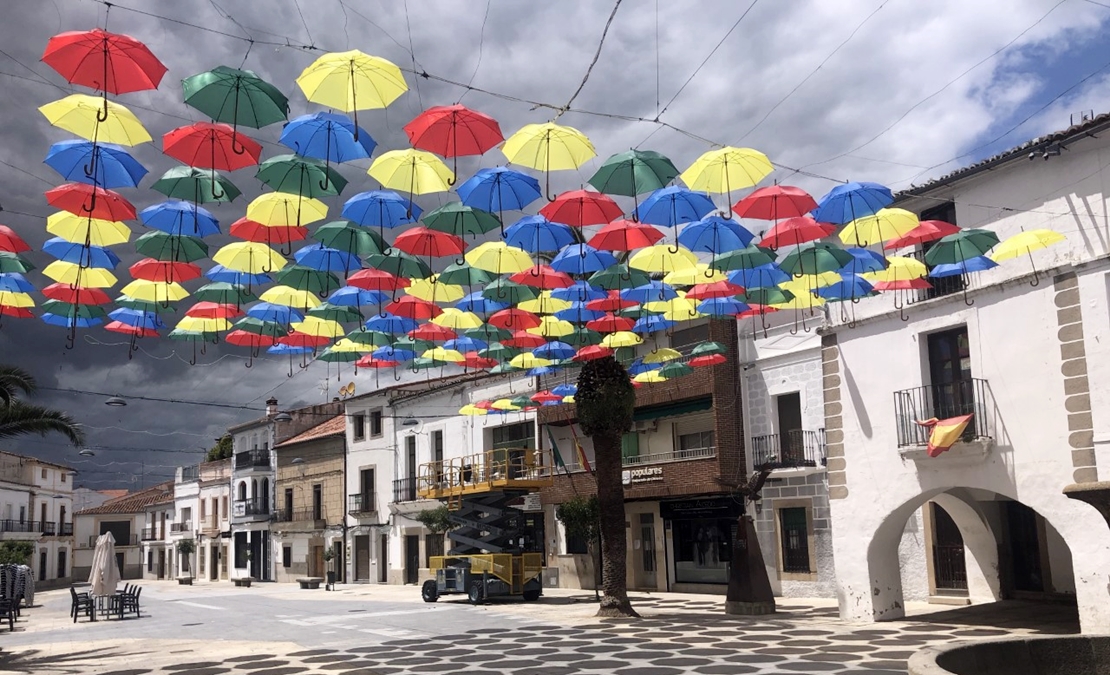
x=297 y=515
x=47 y=528
x=66 y=530
x=147 y=534
x=672 y=456
x=184 y=526
x=940 y=285
x=252 y=459
x=255 y=506
x=404 y=489
x=949 y=567
x=9 y=525
x=941 y=401
x=798 y=448
x=361 y=503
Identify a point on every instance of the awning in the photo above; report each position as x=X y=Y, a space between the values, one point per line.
x=672 y=409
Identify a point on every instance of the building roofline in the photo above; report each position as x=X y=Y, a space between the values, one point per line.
x=37 y=460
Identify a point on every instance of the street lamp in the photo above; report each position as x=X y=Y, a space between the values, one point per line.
x=410 y=422
x=115 y=402
x=87 y=453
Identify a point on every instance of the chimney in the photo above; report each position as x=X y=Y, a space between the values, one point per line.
x=271 y=407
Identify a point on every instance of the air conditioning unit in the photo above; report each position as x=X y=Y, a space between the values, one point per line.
x=645 y=426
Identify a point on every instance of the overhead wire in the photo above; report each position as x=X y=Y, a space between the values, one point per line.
x=593 y=62
x=481 y=46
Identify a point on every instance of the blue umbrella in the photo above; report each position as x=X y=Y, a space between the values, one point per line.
x=352 y=296
x=582 y=259
x=180 y=218
x=543 y=370
x=465 y=344
x=327 y=136
x=137 y=318
x=579 y=291
x=498 y=189
x=221 y=273
x=554 y=351
x=764 y=276
x=672 y=205
x=389 y=353
x=577 y=313
x=324 y=259
x=651 y=323
x=13 y=282
x=536 y=233
x=850 y=287
x=565 y=390
x=653 y=291
x=715 y=234
x=722 y=306
x=79 y=254
x=479 y=304
x=280 y=348
x=845 y=203
x=268 y=311
x=638 y=366
x=380 y=208
x=976 y=264
x=70 y=322
x=390 y=324
x=864 y=260
x=101 y=164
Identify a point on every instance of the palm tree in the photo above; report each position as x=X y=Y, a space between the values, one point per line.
x=18 y=418
x=605 y=400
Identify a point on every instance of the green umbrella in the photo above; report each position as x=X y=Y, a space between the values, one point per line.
x=488 y=334
x=236 y=97
x=503 y=290
x=961 y=246
x=259 y=327
x=339 y=313
x=462 y=274
x=13 y=262
x=303 y=176
x=498 y=351
x=816 y=257
x=224 y=293
x=675 y=369
x=399 y=264
x=307 y=279
x=523 y=402
x=743 y=259
x=459 y=219
x=73 y=311
x=634 y=312
x=343 y=235
x=618 y=277
x=765 y=296
x=502 y=368
x=192 y=335
x=373 y=338
x=634 y=173
x=329 y=356
x=413 y=344
x=171 y=248
x=421 y=363
x=582 y=337
x=196 y=185
x=707 y=349
x=145 y=305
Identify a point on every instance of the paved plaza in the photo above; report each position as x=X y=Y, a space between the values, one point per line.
x=282 y=630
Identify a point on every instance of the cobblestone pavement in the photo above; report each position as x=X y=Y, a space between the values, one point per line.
x=677 y=634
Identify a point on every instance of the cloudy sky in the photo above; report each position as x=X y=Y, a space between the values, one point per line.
x=894 y=91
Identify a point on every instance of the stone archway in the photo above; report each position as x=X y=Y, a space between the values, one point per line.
x=980 y=544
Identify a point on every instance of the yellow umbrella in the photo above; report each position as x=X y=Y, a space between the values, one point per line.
x=727 y=169
x=81 y=230
x=661 y=355
x=351 y=81
x=250 y=257
x=568 y=399
x=472 y=410
x=290 y=297
x=499 y=258
x=11 y=299
x=443 y=355
x=544 y=304
x=649 y=376
x=203 y=325
x=81 y=114
x=457 y=319
x=1024 y=243
x=899 y=268
x=699 y=274
x=348 y=345
x=803 y=300
x=884 y=225
x=155 y=291
x=284 y=209
x=413 y=171
x=317 y=327
x=504 y=404
x=677 y=309
x=77 y=276
x=663 y=258
x=551 y=326
x=432 y=291
x=548 y=147
x=808 y=282
x=529 y=360
x=621 y=338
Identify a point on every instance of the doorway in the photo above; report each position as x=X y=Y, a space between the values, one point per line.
x=383 y=560
x=362 y=557
x=645 y=570
x=791 y=444
x=119 y=564
x=1023 y=535
x=42 y=565
x=316 y=569
x=412 y=558
x=162 y=564
x=949 y=565
x=214 y=563
x=950 y=376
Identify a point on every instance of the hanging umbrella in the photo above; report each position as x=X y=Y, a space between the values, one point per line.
x=633 y=173
x=845 y=203
x=274 y=313
x=542 y=276
x=673 y=370
x=965 y=244
x=716 y=289
x=82 y=296
x=716 y=235
x=83 y=230
x=413 y=308
x=237 y=97
x=795 y=231
x=863 y=261
x=457 y=319
x=352 y=296
x=413 y=171
x=224 y=294
x=621 y=339
x=327 y=136
x=618 y=277
x=611 y=323
x=162 y=246
x=672 y=205
x=503 y=290
x=579 y=291
x=976 y=264
x=582 y=259
x=156 y=270
x=726 y=169
x=286 y=209
x=661 y=259
x=390 y=324
x=377 y=280
x=548 y=147
x=883 y=225
x=249 y=257
x=81 y=254
x=1024 y=243
x=580 y=208
x=459 y=219
x=497 y=257
x=453 y=131
x=443 y=355
x=815 y=258
x=432 y=332
x=351 y=81
x=747 y=258
x=477 y=303
x=399 y=264
x=488 y=333
x=196 y=185
x=110 y=62
x=303 y=176
x=898 y=269
x=180 y=218
x=498 y=189
x=544 y=304
x=212 y=310
x=700 y=273
x=514 y=319
x=97 y=164
x=96 y=119
x=346 y=236
x=15 y=282
x=578 y=313
x=589 y=353
x=536 y=234
x=16 y=300
x=625 y=235
x=850 y=287
x=380 y=208
x=302 y=278
x=245 y=228
x=104 y=574
x=465 y=275
x=722 y=307
x=421 y=241
x=610 y=302
x=15 y=263
x=775 y=202
x=155 y=291
x=85 y=200
x=925 y=232
x=211 y=145
x=324 y=259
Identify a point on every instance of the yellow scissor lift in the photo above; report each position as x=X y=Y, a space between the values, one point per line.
x=488 y=556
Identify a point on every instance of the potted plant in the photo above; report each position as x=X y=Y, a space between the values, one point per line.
x=186 y=548
x=329 y=555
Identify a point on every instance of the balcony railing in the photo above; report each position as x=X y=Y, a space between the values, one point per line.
x=940 y=285
x=404 y=489
x=673 y=456
x=296 y=515
x=362 y=503
x=941 y=401
x=19 y=526
x=147 y=534
x=255 y=506
x=47 y=528
x=259 y=459
x=66 y=530
x=186 y=526
x=794 y=449
x=131 y=540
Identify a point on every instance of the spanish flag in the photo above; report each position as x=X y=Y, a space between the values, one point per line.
x=944 y=433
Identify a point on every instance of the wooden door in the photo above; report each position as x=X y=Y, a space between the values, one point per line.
x=362 y=557
x=412 y=558
x=791 y=443
x=949 y=565
x=316 y=566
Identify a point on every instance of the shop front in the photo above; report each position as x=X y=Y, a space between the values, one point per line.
x=701 y=532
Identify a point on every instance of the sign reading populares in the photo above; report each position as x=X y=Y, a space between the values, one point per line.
x=649 y=474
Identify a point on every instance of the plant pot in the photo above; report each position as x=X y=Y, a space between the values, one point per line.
x=331 y=578
x=185 y=581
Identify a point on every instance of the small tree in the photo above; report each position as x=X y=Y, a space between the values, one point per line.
x=437 y=520
x=581 y=519
x=186 y=548
x=16 y=552
x=221 y=450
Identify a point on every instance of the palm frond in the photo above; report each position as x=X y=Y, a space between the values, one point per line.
x=21 y=418
x=12 y=380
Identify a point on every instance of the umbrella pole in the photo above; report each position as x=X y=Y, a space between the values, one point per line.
x=1036 y=275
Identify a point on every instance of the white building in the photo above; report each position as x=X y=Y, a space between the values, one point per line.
x=36 y=505
x=125 y=517
x=252 y=495
x=1025 y=353
x=154 y=538
x=202 y=514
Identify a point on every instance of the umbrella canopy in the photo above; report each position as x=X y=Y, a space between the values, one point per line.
x=958 y=247
x=85 y=256
x=196 y=185
x=422 y=241
x=327 y=136
x=377 y=280
x=674 y=204
x=815 y=258
x=352 y=81
x=795 y=231
x=633 y=173
x=301 y=176
x=162 y=246
x=380 y=208
x=97 y=164
x=84 y=200
x=535 y=234
x=548 y=147
x=238 y=97
x=83 y=230
x=925 y=232
x=399 y=264
x=459 y=220
x=96 y=119
x=108 y=62
x=211 y=145
x=581 y=208
x=249 y=257
x=747 y=258
x=775 y=202
x=413 y=171
x=499 y=188
x=324 y=259
x=104 y=575
x=976 y=264
x=845 y=203
x=625 y=235
x=582 y=259
x=499 y=258
x=882 y=226
x=1025 y=243
x=726 y=169
x=714 y=234
x=661 y=259
x=180 y=218
x=453 y=131
x=244 y=228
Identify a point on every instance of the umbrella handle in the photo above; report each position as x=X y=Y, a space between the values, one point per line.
x=102 y=112
x=396 y=374
x=193 y=360
x=250 y=360
x=1036 y=275
x=236 y=146
x=132 y=348
x=454 y=170
x=460 y=261
x=71 y=335
x=967 y=301
x=217 y=188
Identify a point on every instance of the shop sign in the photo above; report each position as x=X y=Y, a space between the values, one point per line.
x=651 y=474
x=531 y=502
x=706 y=507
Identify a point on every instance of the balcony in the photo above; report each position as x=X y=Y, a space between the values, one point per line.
x=131 y=540
x=148 y=534
x=252 y=459
x=300 y=516
x=404 y=489
x=66 y=530
x=17 y=529
x=47 y=528
x=364 y=502
x=672 y=456
x=796 y=449
x=255 y=508
x=941 y=401
x=182 y=527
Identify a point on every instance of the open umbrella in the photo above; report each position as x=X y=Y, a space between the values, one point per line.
x=211 y=145
x=726 y=169
x=884 y=225
x=196 y=185
x=459 y=219
x=97 y=164
x=580 y=208
x=413 y=171
x=453 y=131
x=351 y=81
x=795 y=231
x=625 y=235
x=925 y=232
x=814 y=258
x=109 y=62
x=96 y=120
x=162 y=246
x=548 y=147
x=81 y=254
x=383 y=209
x=86 y=200
x=845 y=203
x=327 y=136
x=245 y=228
x=634 y=173
x=1024 y=243
x=497 y=257
x=965 y=244
x=286 y=209
x=537 y=234
x=498 y=189
x=674 y=204
x=714 y=234
x=303 y=176
x=422 y=241
x=775 y=202
x=83 y=230
x=180 y=218
x=581 y=259
x=398 y=263
x=237 y=97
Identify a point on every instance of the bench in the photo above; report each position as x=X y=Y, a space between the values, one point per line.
x=185 y=581
x=243 y=581
x=310 y=583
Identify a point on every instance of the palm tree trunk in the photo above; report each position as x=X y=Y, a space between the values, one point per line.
x=614 y=548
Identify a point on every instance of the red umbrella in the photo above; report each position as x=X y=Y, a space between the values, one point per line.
x=413 y=308
x=484 y=405
x=473 y=360
x=211 y=145
x=542 y=397
x=242 y=338
x=296 y=339
x=926 y=231
x=625 y=235
x=591 y=352
x=581 y=208
x=717 y=289
x=774 y=202
x=522 y=339
x=454 y=131
x=158 y=270
x=514 y=319
x=257 y=232
x=903 y=285
x=614 y=302
x=796 y=231
x=433 y=332
x=756 y=310
x=369 y=361
x=17 y=312
x=542 y=276
x=213 y=310
x=76 y=296
x=707 y=360
x=128 y=329
x=376 y=280
x=611 y=323
x=429 y=243
x=87 y=200
x=12 y=242
x=108 y=62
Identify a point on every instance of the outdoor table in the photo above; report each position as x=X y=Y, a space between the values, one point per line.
x=108 y=605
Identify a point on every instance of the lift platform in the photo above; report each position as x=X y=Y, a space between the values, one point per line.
x=495 y=551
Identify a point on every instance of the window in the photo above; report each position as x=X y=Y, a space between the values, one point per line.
x=688 y=337
x=242 y=489
x=696 y=444
x=225 y=511
x=286 y=556
x=61 y=563
x=375 y=423
x=22 y=514
x=366 y=490
x=521 y=435
x=317 y=501
x=940 y=285
x=437 y=445
x=410 y=455
x=433 y=546
x=576 y=544
x=150 y=561
x=703 y=549
x=289 y=503
x=359 y=423
x=202 y=510
x=44 y=474
x=795 y=540
x=630 y=447
x=64 y=476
